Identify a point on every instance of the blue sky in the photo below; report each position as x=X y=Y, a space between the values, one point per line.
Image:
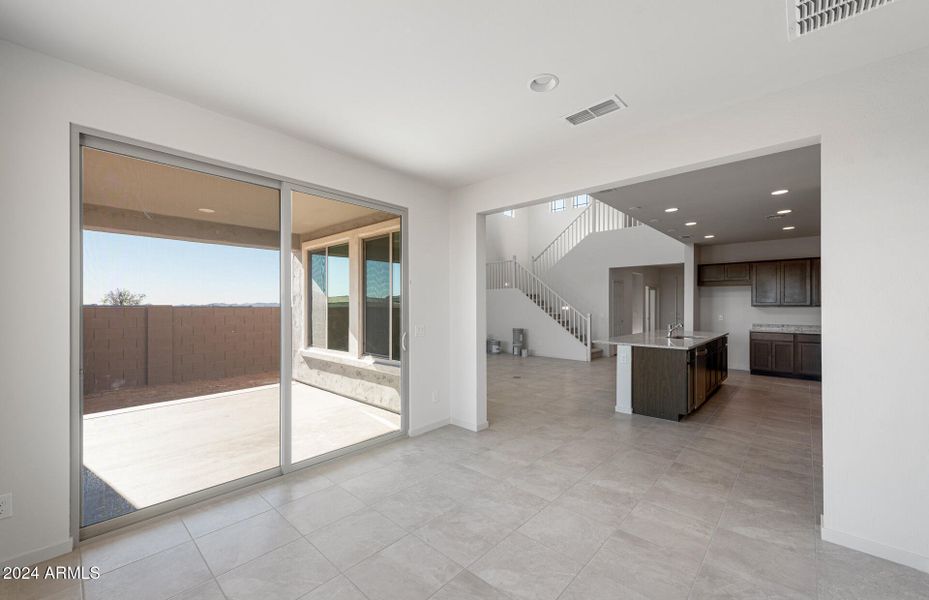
x=178 y=272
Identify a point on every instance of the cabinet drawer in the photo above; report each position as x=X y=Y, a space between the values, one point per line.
x=810 y=338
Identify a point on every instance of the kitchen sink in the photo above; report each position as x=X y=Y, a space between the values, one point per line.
x=688 y=337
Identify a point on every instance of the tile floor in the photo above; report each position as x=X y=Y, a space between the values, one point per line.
x=560 y=499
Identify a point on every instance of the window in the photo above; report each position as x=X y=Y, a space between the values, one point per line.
x=382 y=296
x=558 y=205
x=581 y=201
x=328 y=298
x=509 y=213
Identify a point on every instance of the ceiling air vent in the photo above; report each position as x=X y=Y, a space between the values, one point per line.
x=807 y=16
x=597 y=110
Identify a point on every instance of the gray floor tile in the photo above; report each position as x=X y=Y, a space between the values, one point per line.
x=410 y=569
x=356 y=537
x=524 y=568
x=320 y=508
x=283 y=574
x=239 y=543
x=155 y=577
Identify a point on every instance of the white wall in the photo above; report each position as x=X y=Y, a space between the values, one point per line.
x=509 y=236
x=582 y=277
x=39 y=98
x=730 y=308
x=507 y=309
x=802 y=247
x=873 y=126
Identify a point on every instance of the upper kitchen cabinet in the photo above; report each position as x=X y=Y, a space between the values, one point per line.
x=795 y=283
x=725 y=274
x=766 y=283
x=814 y=265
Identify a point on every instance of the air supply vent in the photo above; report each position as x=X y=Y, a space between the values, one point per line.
x=597 y=110
x=807 y=16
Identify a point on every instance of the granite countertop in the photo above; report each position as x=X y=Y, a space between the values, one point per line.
x=659 y=339
x=777 y=328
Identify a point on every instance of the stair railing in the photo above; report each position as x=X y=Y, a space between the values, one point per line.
x=506 y=274
x=597 y=217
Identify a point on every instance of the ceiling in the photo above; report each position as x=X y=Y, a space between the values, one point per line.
x=439 y=88
x=732 y=201
x=122 y=182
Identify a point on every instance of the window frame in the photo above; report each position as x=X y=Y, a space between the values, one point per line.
x=389 y=359
x=576 y=203
x=559 y=205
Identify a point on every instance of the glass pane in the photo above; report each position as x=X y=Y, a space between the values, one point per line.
x=377 y=296
x=317 y=303
x=337 y=400
x=181 y=332
x=397 y=286
x=338 y=297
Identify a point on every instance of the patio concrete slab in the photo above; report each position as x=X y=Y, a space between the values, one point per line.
x=149 y=454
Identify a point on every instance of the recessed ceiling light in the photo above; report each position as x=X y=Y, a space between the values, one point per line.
x=544 y=82
x=779 y=192
x=709 y=237
x=670 y=210
x=786 y=211
x=789 y=228
x=690 y=223
x=208 y=211
x=634 y=208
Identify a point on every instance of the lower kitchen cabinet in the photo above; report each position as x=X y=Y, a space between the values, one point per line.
x=786 y=354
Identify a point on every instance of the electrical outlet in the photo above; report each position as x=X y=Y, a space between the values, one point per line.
x=721 y=318
x=6 y=505
x=419 y=331
x=435 y=397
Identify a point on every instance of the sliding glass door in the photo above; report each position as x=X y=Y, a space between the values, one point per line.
x=183 y=341
x=346 y=385
x=181 y=321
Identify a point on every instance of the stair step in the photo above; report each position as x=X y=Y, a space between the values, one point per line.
x=596 y=353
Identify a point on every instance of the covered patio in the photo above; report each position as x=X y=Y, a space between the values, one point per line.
x=141 y=455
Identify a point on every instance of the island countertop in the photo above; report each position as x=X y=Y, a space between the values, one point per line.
x=684 y=340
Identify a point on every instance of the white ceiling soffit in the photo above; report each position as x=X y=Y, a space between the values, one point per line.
x=438 y=89
x=731 y=202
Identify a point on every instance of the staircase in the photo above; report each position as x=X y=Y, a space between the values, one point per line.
x=595 y=218
x=509 y=274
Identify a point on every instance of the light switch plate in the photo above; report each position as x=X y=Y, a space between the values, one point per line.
x=6 y=505
x=419 y=331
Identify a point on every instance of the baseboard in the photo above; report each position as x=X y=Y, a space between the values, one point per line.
x=469 y=426
x=414 y=431
x=41 y=555
x=897 y=555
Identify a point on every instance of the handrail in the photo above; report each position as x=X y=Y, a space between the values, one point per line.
x=509 y=274
x=597 y=217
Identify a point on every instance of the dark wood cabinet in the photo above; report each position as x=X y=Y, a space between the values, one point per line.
x=815 y=282
x=795 y=282
x=809 y=355
x=766 y=283
x=724 y=274
x=787 y=354
x=669 y=384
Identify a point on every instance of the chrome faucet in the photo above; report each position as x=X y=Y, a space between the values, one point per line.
x=674 y=327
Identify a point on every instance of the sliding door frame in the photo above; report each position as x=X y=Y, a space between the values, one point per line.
x=81 y=137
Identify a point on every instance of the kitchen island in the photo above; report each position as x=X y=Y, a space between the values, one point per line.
x=668 y=377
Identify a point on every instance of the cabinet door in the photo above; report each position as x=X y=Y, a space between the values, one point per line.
x=738 y=273
x=815 y=283
x=809 y=358
x=712 y=274
x=783 y=357
x=766 y=284
x=761 y=355
x=795 y=283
